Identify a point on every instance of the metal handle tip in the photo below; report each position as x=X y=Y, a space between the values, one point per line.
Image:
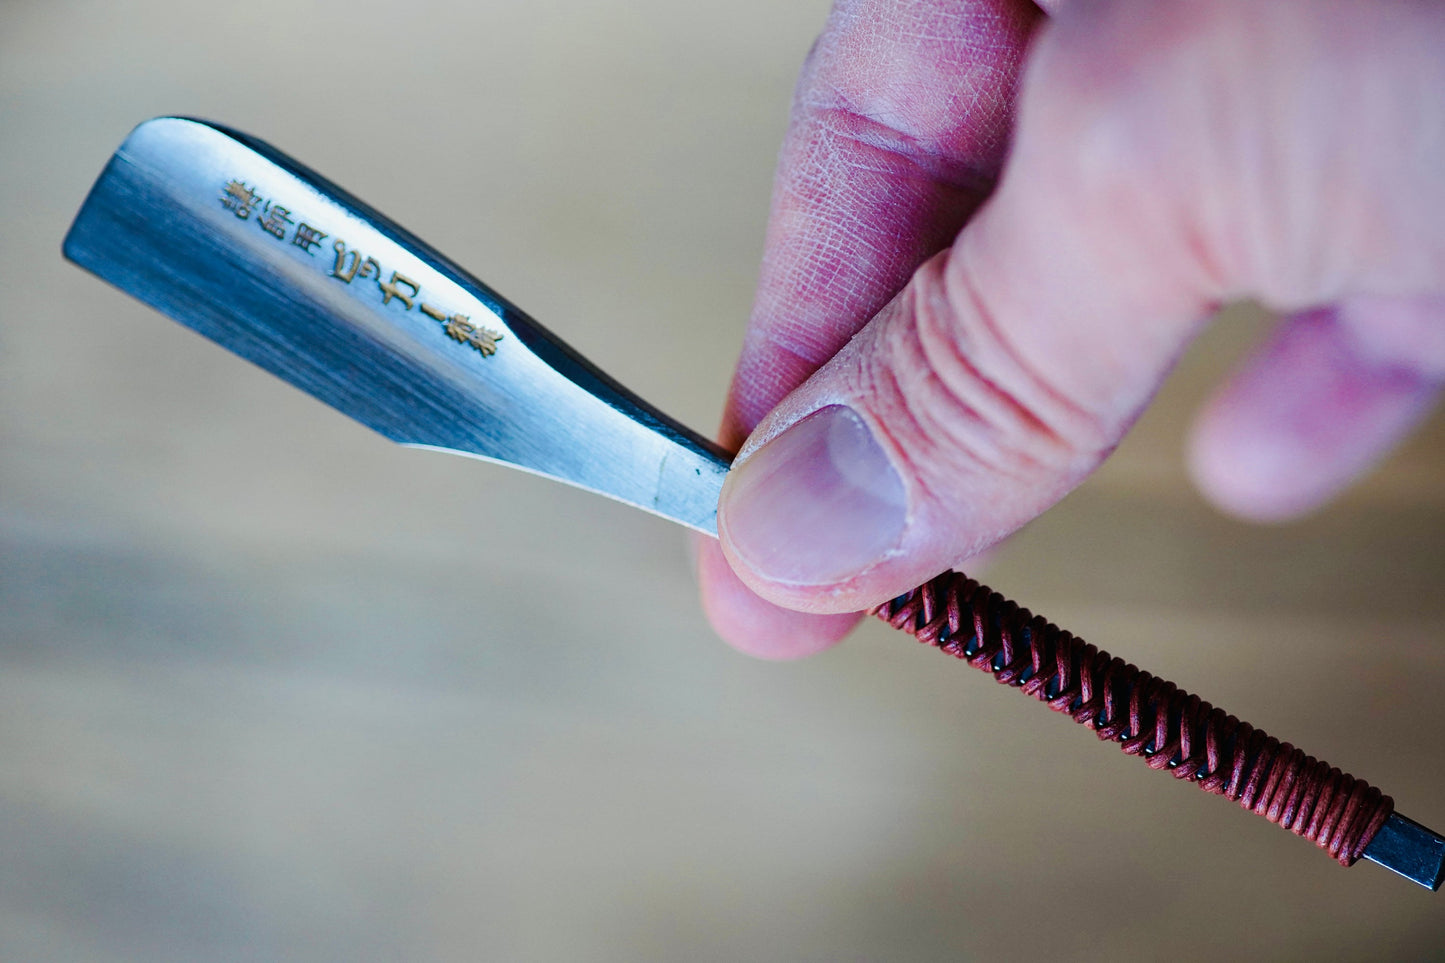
x=1404 y=846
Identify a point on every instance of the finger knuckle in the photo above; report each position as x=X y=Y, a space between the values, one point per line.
x=1245 y=137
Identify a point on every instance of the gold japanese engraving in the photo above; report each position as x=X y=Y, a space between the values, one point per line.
x=460 y=328
x=239 y=199
x=350 y=264
x=392 y=289
x=485 y=340
x=274 y=219
x=242 y=200
x=308 y=237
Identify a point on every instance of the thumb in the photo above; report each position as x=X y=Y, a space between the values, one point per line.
x=1166 y=160
x=926 y=440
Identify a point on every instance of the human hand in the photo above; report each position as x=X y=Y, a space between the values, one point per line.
x=1169 y=156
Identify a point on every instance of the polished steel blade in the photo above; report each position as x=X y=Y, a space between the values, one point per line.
x=232 y=238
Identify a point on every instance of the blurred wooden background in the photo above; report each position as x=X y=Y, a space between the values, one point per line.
x=271 y=688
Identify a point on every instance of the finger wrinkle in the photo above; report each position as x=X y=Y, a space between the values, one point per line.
x=899 y=425
x=946 y=448
x=942 y=94
x=976 y=332
x=860 y=137
x=1005 y=425
x=928 y=80
x=854 y=168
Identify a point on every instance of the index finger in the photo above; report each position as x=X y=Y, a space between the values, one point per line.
x=898 y=131
x=899 y=127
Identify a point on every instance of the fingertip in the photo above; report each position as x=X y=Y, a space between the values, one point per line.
x=1305 y=417
x=1245 y=470
x=755 y=626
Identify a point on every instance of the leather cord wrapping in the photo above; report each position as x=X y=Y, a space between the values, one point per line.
x=1147 y=716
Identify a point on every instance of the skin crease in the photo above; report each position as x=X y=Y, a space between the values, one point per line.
x=1167 y=156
